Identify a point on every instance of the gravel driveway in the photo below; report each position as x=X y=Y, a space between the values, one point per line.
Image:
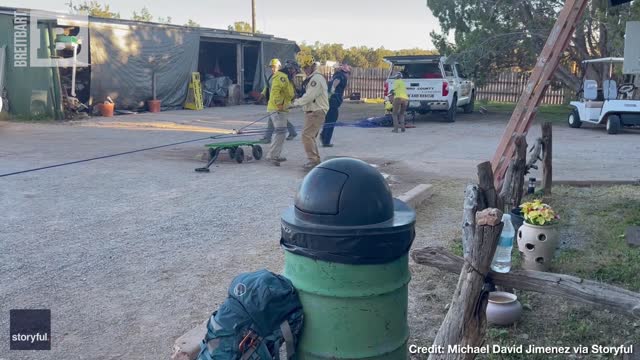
x=130 y=252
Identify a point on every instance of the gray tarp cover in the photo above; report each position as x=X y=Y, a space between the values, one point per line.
x=277 y=50
x=122 y=57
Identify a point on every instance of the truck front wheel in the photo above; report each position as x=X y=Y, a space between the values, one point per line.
x=453 y=109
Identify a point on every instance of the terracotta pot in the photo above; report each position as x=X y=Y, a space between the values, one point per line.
x=503 y=308
x=106 y=109
x=538 y=245
x=154 y=106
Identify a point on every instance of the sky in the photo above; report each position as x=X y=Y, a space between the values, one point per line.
x=393 y=24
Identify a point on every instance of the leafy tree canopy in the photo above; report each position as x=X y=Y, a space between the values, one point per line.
x=192 y=23
x=491 y=35
x=242 y=26
x=93 y=8
x=357 y=56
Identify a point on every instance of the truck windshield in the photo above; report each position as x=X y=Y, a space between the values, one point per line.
x=419 y=71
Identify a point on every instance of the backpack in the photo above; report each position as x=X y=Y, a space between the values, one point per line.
x=262 y=311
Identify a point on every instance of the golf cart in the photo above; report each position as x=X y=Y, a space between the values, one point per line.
x=611 y=104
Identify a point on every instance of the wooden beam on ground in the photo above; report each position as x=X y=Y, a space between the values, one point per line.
x=589 y=292
x=547 y=151
x=466 y=321
x=546 y=65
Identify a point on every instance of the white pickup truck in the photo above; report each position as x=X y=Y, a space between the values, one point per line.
x=433 y=84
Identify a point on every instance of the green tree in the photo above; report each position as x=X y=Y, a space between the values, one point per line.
x=356 y=56
x=242 y=26
x=144 y=15
x=490 y=36
x=192 y=23
x=166 y=20
x=93 y=8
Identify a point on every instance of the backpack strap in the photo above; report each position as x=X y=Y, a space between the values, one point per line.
x=288 y=339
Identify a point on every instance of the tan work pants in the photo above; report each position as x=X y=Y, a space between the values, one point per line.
x=313 y=122
x=399 y=108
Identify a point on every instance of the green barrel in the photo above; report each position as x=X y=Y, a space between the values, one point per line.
x=346 y=244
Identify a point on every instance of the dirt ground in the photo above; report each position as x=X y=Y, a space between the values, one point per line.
x=135 y=250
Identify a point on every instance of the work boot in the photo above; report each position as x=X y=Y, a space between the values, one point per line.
x=274 y=162
x=403 y=129
x=394 y=130
x=265 y=141
x=327 y=145
x=310 y=165
x=291 y=136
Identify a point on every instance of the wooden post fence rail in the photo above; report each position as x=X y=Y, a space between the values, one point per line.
x=589 y=292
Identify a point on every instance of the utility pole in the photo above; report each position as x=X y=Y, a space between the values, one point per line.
x=253 y=16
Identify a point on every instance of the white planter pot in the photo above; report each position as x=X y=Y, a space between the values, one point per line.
x=537 y=244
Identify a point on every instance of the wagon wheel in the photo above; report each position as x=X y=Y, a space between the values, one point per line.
x=257 y=152
x=232 y=152
x=239 y=155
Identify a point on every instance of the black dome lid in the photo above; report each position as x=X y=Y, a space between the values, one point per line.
x=344 y=212
x=344 y=192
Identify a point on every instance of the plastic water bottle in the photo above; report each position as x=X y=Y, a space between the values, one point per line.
x=502 y=259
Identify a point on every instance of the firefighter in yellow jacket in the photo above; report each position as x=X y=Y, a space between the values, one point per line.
x=315 y=104
x=280 y=98
x=275 y=66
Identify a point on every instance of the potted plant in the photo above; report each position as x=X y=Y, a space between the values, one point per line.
x=538 y=236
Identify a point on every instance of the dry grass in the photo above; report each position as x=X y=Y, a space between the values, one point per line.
x=593 y=220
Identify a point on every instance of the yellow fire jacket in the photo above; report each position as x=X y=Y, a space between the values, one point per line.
x=281 y=94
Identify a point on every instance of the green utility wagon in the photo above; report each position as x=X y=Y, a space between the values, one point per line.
x=235 y=151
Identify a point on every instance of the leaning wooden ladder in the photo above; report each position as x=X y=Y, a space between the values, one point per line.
x=546 y=65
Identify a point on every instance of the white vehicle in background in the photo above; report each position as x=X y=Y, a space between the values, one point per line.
x=610 y=104
x=433 y=84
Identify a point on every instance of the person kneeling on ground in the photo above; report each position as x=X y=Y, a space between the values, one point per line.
x=266 y=92
x=315 y=104
x=336 y=92
x=282 y=93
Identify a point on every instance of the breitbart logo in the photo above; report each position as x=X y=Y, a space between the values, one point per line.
x=31 y=34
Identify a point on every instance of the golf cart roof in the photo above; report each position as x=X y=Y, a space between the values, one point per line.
x=604 y=60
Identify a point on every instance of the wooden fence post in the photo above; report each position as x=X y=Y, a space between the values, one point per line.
x=513 y=188
x=471 y=195
x=466 y=321
x=547 y=173
x=488 y=197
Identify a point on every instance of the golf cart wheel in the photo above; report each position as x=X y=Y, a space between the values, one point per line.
x=257 y=152
x=451 y=113
x=468 y=109
x=232 y=152
x=613 y=124
x=574 y=119
x=239 y=155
